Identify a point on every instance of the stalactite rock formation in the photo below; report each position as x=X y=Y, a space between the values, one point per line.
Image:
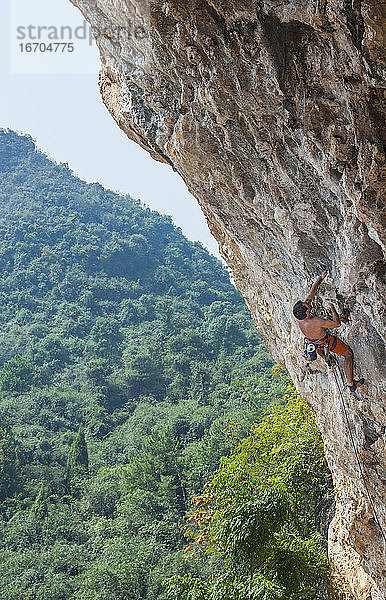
x=271 y=112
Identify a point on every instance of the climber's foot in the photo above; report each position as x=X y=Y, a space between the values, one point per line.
x=356 y=384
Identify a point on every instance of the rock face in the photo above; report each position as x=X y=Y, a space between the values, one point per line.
x=271 y=112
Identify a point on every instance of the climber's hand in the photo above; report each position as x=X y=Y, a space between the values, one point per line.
x=315 y=287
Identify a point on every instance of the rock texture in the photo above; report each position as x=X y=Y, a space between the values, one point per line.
x=271 y=111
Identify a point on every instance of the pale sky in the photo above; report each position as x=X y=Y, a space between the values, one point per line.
x=54 y=97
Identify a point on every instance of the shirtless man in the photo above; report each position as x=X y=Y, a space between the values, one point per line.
x=314 y=330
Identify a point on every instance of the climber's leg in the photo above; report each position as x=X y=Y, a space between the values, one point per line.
x=338 y=347
x=348 y=366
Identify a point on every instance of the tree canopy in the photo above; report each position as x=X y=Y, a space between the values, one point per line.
x=126 y=359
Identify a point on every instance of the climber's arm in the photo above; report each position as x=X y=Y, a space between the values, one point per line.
x=330 y=323
x=315 y=287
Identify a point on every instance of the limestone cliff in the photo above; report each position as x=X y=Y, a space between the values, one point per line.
x=271 y=111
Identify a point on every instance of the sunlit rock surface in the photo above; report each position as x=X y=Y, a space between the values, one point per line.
x=271 y=113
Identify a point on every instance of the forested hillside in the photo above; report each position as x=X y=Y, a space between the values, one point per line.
x=129 y=365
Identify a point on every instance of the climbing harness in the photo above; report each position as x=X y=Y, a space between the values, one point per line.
x=311 y=347
x=365 y=485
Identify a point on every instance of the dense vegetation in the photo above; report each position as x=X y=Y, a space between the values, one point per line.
x=259 y=516
x=125 y=357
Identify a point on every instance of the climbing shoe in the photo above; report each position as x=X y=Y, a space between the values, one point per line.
x=356 y=384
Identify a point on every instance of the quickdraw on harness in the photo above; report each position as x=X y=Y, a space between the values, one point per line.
x=311 y=347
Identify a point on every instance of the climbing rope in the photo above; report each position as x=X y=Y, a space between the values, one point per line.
x=355 y=450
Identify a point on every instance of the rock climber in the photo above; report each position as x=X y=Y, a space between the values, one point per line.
x=316 y=334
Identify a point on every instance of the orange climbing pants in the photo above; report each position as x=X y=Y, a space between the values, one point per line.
x=334 y=345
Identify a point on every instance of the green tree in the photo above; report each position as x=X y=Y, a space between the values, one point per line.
x=9 y=463
x=39 y=509
x=77 y=464
x=106 y=338
x=16 y=375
